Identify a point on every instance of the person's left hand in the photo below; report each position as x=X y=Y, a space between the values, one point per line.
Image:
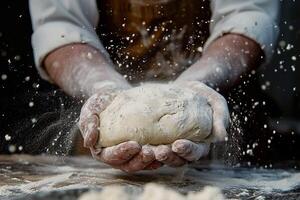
x=183 y=151
x=128 y=156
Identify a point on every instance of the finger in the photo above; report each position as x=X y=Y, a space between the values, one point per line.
x=90 y=131
x=164 y=154
x=219 y=106
x=219 y=132
x=96 y=103
x=95 y=152
x=89 y=121
x=140 y=161
x=220 y=119
x=190 y=151
x=119 y=154
x=154 y=165
x=147 y=154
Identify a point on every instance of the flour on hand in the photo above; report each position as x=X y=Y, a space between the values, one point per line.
x=155 y=114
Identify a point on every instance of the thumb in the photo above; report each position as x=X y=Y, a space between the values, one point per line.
x=90 y=131
x=221 y=117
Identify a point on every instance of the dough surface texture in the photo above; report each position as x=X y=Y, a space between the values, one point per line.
x=155 y=114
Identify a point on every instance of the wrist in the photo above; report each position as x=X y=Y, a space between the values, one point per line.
x=224 y=63
x=210 y=71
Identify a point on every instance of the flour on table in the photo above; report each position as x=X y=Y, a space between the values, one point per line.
x=152 y=191
x=155 y=114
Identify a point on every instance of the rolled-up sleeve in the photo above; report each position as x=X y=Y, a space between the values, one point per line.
x=60 y=22
x=256 y=19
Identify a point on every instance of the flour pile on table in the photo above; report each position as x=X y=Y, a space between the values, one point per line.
x=152 y=192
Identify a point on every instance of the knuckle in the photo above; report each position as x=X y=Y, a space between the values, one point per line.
x=183 y=147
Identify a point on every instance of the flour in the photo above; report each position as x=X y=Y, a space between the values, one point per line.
x=83 y=72
x=27 y=176
x=152 y=191
x=155 y=114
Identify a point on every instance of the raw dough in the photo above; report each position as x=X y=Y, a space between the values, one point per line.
x=155 y=114
x=153 y=191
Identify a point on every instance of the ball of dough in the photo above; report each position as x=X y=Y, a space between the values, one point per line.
x=155 y=114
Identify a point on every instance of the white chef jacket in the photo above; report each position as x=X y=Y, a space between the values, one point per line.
x=60 y=22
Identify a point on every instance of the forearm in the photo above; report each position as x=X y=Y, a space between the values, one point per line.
x=80 y=70
x=225 y=62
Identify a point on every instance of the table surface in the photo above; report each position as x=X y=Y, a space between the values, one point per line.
x=45 y=177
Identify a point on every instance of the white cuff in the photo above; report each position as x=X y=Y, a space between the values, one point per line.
x=53 y=35
x=255 y=25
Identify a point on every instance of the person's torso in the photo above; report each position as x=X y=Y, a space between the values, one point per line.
x=153 y=39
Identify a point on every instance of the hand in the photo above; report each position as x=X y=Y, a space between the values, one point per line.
x=219 y=107
x=131 y=157
x=127 y=156
x=182 y=151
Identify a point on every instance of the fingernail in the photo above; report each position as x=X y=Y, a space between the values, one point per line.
x=162 y=157
x=147 y=155
x=179 y=147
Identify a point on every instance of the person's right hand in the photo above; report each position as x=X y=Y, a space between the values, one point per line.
x=128 y=156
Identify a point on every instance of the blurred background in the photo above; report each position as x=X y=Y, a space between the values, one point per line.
x=19 y=82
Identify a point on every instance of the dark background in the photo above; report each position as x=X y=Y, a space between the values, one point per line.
x=280 y=80
x=32 y=129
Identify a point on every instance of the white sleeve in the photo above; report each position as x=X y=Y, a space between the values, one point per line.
x=256 y=19
x=60 y=22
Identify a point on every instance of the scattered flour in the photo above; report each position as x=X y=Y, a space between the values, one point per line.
x=152 y=191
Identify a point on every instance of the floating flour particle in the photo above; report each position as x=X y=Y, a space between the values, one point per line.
x=289 y=47
x=3 y=77
x=89 y=55
x=7 y=137
x=33 y=120
x=12 y=148
x=200 y=49
x=31 y=104
x=17 y=57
